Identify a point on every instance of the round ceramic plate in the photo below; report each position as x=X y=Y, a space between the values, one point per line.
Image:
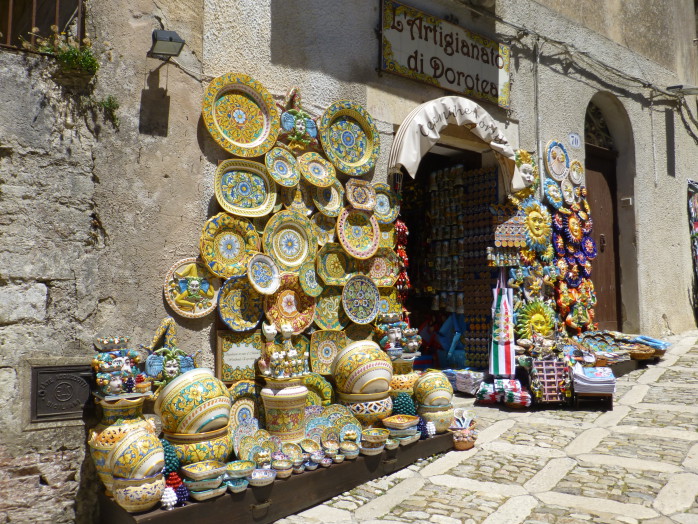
x=241 y=115
x=320 y=387
x=299 y=198
x=293 y=451
x=316 y=170
x=388 y=235
x=324 y=346
x=289 y=239
x=361 y=195
x=190 y=288
x=557 y=161
x=239 y=305
x=383 y=267
x=226 y=243
x=387 y=208
x=289 y=305
x=328 y=310
x=282 y=167
x=334 y=266
x=325 y=228
x=307 y=276
x=358 y=233
x=242 y=411
x=244 y=188
x=329 y=200
x=263 y=274
x=576 y=172
x=360 y=299
x=389 y=302
x=567 y=189
x=349 y=137
x=242 y=430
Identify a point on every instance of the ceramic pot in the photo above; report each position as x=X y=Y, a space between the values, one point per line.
x=403 y=383
x=284 y=411
x=194 y=402
x=370 y=413
x=433 y=389
x=136 y=456
x=136 y=495
x=362 y=367
x=402 y=366
x=442 y=419
x=197 y=447
x=119 y=418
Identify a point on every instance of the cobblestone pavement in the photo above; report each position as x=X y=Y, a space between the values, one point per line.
x=636 y=463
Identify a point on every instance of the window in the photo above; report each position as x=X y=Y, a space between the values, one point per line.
x=18 y=17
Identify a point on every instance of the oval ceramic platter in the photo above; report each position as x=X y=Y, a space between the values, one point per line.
x=241 y=115
x=226 y=244
x=282 y=167
x=358 y=233
x=299 y=198
x=244 y=188
x=263 y=274
x=191 y=289
x=557 y=161
x=290 y=305
x=316 y=170
x=383 y=267
x=329 y=200
x=576 y=172
x=334 y=266
x=289 y=239
x=328 y=309
x=349 y=137
x=325 y=228
x=387 y=207
x=324 y=346
x=360 y=298
x=239 y=304
x=361 y=195
x=307 y=276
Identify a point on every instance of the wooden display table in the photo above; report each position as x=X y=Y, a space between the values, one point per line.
x=286 y=496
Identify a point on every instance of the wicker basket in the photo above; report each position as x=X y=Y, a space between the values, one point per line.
x=463 y=445
x=641 y=353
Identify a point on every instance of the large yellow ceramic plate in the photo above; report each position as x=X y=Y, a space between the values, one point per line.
x=289 y=239
x=334 y=266
x=358 y=233
x=328 y=310
x=190 y=288
x=244 y=188
x=239 y=304
x=324 y=346
x=227 y=243
x=316 y=170
x=241 y=115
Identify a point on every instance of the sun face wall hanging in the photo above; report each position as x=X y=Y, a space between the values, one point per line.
x=538 y=225
x=535 y=317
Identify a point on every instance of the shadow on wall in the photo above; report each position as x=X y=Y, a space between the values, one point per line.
x=155 y=106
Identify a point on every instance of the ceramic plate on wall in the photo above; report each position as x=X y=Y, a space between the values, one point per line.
x=239 y=304
x=307 y=276
x=263 y=274
x=290 y=305
x=334 y=266
x=387 y=208
x=324 y=347
x=299 y=198
x=316 y=170
x=226 y=244
x=383 y=267
x=389 y=302
x=244 y=188
x=576 y=172
x=289 y=239
x=360 y=299
x=361 y=195
x=282 y=167
x=241 y=115
x=328 y=310
x=349 y=137
x=358 y=233
x=557 y=161
x=329 y=200
x=325 y=228
x=388 y=235
x=191 y=289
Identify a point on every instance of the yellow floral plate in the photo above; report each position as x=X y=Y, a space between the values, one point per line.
x=361 y=195
x=358 y=233
x=319 y=389
x=389 y=302
x=329 y=200
x=325 y=228
x=289 y=239
x=282 y=167
x=244 y=188
x=383 y=267
x=316 y=170
x=334 y=266
x=388 y=235
x=307 y=275
x=191 y=289
x=328 y=310
x=240 y=306
x=324 y=347
x=227 y=243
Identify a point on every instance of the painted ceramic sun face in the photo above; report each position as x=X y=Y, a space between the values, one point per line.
x=538 y=225
x=575 y=228
x=535 y=317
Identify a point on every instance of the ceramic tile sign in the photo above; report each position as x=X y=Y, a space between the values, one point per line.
x=430 y=50
x=237 y=353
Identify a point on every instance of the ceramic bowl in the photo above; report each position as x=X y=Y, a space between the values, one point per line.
x=309 y=445
x=351 y=455
x=326 y=462
x=377 y=435
x=372 y=451
x=209 y=494
x=237 y=485
x=331 y=453
x=370 y=413
x=197 y=447
x=311 y=466
x=279 y=455
x=261 y=477
x=194 y=402
x=137 y=455
x=239 y=468
x=400 y=433
x=338 y=458
x=348 y=447
x=298 y=462
x=330 y=445
x=404 y=441
x=283 y=468
x=433 y=388
x=403 y=383
x=203 y=485
x=136 y=495
x=363 y=397
x=300 y=468
x=392 y=443
x=203 y=470
x=442 y=419
x=317 y=457
x=422 y=408
x=400 y=421
x=362 y=367
x=368 y=444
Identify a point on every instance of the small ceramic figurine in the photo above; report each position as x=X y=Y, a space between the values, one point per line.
x=169 y=499
x=115 y=365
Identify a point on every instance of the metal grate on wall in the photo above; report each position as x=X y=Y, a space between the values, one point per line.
x=19 y=17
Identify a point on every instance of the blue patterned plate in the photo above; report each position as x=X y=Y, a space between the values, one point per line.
x=316 y=170
x=361 y=195
x=360 y=299
x=239 y=305
x=307 y=276
x=328 y=309
x=289 y=239
x=358 y=233
x=244 y=188
x=387 y=208
x=329 y=200
x=349 y=137
x=321 y=422
x=282 y=167
x=324 y=347
x=263 y=274
x=334 y=266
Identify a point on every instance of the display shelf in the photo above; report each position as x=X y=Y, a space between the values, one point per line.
x=287 y=496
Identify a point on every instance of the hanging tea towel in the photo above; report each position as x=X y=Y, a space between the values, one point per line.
x=502 y=347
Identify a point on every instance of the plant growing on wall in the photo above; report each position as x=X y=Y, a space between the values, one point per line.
x=72 y=56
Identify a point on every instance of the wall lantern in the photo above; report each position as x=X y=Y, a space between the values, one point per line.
x=166 y=44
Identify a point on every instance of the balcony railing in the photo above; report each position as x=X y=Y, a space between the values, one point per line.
x=24 y=20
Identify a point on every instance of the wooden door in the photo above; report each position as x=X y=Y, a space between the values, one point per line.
x=601 y=186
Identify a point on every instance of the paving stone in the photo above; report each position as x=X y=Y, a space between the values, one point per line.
x=670 y=395
x=541 y=436
x=489 y=466
x=686 y=375
x=661 y=419
x=644 y=448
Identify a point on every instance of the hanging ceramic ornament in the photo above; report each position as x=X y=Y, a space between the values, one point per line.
x=191 y=289
x=290 y=305
x=538 y=224
x=226 y=244
x=328 y=311
x=535 y=317
x=329 y=200
x=553 y=194
x=239 y=304
x=325 y=228
x=307 y=276
x=568 y=192
x=576 y=172
x=298 y=198
x=289 y=239
x=358 y=233
x=244 y=188
x=298 y=127
x=360 y=298
x=387 y=207
x=557 y=161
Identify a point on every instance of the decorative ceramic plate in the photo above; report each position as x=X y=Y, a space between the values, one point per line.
x=244 y=188
x=568 y=193
x=226 y=243
x=361 y=195
x=336 y=408
x=343 y=420
x=329 y=200
x=263 y=274
x=290 y=305
x=242 y=389
x=324 y=346
x=387 y=208
x=245 y=447
x=307 y=277
x=329 y=435
x=383 y=267
x=289 y=239
x=360 y=299
x=293 y=451
x=349 y=137
x=239 y=305
x=576 y=172
x=282 y=167
x=313 y=412
x=553 y=193
x=299 y=198
x=325 y=228
x=317 y=422
x=261 y=435
x=241 y=115
x=191 y=289
x=388 y=235
x=242 y=411
x=358 y=233
x=557 y=161
x=328 y=310
x=237 y=353
x=334 y=266
x=356 y=332
x=389 y=302
x=320 y=387
x=301 y=343
x=246 y=429
x=348 y=430
x=316 y=170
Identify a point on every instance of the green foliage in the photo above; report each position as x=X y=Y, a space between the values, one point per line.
x=78 y=59
x=72 y=56
x=110 y=105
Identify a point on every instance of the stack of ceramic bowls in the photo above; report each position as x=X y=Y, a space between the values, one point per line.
x=433 y=393
x=373 y=440
x=402 y=428
x=362 y=374
x=204 y=479
x=195 y=413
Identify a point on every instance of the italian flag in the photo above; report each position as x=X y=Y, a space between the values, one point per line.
x=502 y=348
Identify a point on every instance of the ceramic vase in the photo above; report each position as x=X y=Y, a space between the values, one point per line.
x=197 y=447
x=284 y=408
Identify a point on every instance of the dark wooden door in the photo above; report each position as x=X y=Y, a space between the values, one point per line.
x=601 y=187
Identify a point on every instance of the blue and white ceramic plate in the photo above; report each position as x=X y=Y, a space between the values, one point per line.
x=289 y=239
x=360 y=299
x=244 y=188
x=557 y=160
x=387 y=207
x=316 y=170
x=282 y=167
x=263 y=274
x=329 y=200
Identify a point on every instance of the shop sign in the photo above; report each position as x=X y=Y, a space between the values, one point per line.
x=428 y=49
x=59 y=392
